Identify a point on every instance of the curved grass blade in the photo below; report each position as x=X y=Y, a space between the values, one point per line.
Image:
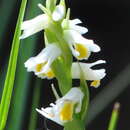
x=8 y=86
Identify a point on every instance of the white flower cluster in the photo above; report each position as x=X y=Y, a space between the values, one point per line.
x=80 y=47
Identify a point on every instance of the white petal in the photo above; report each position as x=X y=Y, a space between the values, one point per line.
x=73 y=36
x=96 y=63
x=58 y=13
x=81 y=30
x=35 y=25
x=89 y=73
x=75 y=21
x=46 y=113
x=75 y=95
x=30 y=64
x=94 y=48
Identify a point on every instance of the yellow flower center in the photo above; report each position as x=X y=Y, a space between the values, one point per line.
x=95 y=83
x=82 y=50
x=50 y=74
x=40 y=66
x=66 y=112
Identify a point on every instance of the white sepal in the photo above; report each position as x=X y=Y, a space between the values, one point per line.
x=72 y=25
x=34 y=25
x=89 y=74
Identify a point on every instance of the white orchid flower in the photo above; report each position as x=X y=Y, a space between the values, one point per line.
x=81 y=47
x=41 y=63
x=72 y=25
x=89 y=74
x=62 y=111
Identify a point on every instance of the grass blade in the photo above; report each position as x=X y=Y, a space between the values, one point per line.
x=8 y=86
x=114 y=117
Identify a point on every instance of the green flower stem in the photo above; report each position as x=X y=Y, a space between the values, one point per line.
x=114 y=117
x=63 y=76
x=74 y=125
x=61 y=66
x=8 y=87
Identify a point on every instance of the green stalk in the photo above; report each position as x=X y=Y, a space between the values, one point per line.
x=74 y=125
x=8 y=86
x=114 y=117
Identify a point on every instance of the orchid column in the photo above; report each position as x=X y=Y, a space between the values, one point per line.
x=63 y=40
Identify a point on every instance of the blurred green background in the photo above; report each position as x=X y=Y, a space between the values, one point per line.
x=108 y=23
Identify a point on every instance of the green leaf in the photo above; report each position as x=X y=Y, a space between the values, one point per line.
x=8 y=86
